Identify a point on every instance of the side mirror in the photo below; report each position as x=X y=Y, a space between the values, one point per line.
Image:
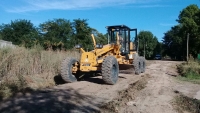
x=78 y=46
x=99 y=46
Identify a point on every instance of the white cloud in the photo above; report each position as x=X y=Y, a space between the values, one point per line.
x=38 y=5
x=151 y=6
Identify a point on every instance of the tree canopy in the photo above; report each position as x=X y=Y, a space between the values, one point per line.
x=64 y=34
x=20 y=32
x=52 y=34
x=175 y=40
x=56 y=34
x=147 y=44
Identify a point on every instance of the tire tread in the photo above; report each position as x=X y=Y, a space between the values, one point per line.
x=66 y=75
x=106 y=70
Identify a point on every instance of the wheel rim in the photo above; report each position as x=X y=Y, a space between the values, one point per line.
x=72 y=75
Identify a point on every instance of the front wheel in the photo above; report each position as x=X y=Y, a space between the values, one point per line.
x=67 y=73
x=110 y=70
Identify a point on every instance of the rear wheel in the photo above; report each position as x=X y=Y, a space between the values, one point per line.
x=110 y=70
x=143 y=64
x=67 y=73
x=137 y=65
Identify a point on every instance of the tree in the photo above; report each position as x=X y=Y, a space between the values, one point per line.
x=53 y=34
x=147 y=43
x=20 y=32
x=174 y=44
x=189 y=22
x=57 y=34
x=175 y=40
x=82 y=34
x=158 y=49
x=100 y=38
x=0 y=36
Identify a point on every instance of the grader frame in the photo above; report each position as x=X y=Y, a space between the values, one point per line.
x=106 y=58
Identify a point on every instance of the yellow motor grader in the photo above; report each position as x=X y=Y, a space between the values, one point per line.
x=106 y=59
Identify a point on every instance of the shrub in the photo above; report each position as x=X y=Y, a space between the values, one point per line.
x=190 y=70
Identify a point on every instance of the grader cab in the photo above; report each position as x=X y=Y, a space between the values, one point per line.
x=106 y=59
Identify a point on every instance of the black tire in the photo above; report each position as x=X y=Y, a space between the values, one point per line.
x=66 y=70
x=137 y=65
x=143 y=64
x=110 y=70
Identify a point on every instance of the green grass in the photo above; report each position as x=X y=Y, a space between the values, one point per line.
x=195 y=81
x=190 y=72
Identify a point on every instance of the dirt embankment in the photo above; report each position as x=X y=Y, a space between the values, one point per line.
x=150 y=92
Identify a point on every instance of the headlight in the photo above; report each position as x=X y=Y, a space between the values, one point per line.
x=99 y=46
x=78 y=46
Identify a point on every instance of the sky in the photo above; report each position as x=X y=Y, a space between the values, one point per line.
x=156 y=16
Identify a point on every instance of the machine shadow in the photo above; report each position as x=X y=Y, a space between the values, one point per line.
x=95 y=77
x=89 y=77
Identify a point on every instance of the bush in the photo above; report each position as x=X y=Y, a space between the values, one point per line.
x=35 y=68
x=190 y=70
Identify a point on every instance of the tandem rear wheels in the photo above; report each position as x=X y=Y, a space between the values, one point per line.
x=139 y=65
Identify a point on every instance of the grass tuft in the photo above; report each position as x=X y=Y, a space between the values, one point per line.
x=190 y=71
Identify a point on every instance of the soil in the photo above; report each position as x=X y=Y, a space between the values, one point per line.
x=149 y=92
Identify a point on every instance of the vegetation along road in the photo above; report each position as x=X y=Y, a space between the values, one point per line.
x=155 y=91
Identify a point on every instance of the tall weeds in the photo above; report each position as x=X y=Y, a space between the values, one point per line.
x=34 y=68
x=190 y=70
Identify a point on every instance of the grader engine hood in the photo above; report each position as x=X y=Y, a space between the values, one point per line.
x=88 y=60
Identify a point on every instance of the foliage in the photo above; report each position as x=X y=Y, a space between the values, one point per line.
x=52 y=34
x=82 y=33
x=190 y=71
x=175 y=40
x=1 y=37
x=158 y=49
x=100 y=38
x=173 y=43
x=56 y=34
x=147 y=42
x=20 y=32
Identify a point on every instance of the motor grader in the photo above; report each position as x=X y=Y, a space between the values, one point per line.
x=106 y=59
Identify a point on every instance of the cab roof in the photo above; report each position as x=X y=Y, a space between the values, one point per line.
x=118 y=27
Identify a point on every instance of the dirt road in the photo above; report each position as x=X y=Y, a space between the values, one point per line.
x=150 y=92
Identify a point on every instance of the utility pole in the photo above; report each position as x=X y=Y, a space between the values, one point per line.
x=188 y=36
